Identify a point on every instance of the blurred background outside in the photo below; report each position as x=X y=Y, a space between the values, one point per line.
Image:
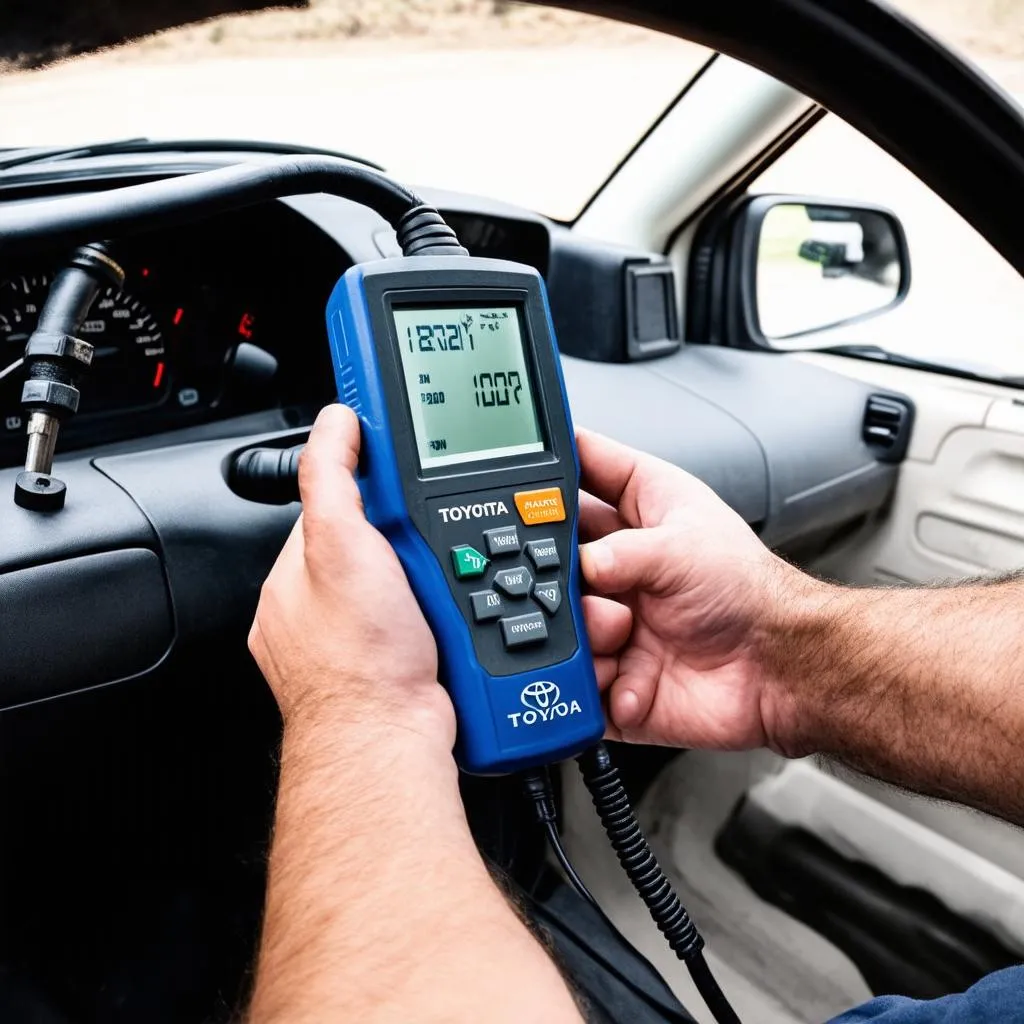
x=429 y=89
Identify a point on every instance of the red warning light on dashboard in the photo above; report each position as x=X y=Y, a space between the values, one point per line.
x=158 y=376
x=145 y=271
x=246 y=324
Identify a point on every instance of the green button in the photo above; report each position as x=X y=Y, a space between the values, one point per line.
x=468 y=562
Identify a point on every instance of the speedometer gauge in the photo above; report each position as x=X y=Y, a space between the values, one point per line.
x=129 y=368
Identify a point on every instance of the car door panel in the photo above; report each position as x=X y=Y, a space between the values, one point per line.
x=957 y=511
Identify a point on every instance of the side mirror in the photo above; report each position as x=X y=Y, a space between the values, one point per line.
x=784 y=267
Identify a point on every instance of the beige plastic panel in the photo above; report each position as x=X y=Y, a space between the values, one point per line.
x=958 y=510
x=865 y=830
x=959 y=505
x=943 y=403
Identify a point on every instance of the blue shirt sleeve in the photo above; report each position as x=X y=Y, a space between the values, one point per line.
x=997 y=998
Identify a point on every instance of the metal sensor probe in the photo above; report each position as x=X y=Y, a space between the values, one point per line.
x=55 y=362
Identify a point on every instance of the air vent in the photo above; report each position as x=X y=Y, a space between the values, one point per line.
x=887 y=423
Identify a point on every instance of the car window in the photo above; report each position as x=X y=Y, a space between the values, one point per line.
x=966 y=303
x=528 y=104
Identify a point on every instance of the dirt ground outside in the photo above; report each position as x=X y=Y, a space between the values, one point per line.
x=982 y=28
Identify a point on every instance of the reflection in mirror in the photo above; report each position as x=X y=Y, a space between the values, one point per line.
x=820 y=266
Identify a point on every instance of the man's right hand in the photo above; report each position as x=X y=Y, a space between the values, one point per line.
x=688 y=608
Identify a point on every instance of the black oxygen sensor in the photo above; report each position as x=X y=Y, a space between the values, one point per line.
x=55 y=361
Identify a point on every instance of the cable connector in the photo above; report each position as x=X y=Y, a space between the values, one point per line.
x=55 y=361
x=422 y=231
x=537 y=787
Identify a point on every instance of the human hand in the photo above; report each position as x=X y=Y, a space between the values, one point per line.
x=338 y=633
x=689 y=652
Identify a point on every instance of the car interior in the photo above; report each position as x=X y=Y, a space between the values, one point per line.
x=138 y=739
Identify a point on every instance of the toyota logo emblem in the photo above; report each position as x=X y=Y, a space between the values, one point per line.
x=540 y=696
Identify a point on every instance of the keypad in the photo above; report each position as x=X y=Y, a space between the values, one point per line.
x=523 y=597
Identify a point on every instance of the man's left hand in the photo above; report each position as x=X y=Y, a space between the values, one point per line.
x=338 y=633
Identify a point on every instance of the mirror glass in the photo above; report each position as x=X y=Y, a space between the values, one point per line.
x=821 y=266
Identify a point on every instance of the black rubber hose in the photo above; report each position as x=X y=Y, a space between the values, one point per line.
x=90 y=270
x=269 y=476
x=74 y=220
x=641 y=866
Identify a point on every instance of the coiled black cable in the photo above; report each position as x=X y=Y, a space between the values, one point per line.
x=641 y=866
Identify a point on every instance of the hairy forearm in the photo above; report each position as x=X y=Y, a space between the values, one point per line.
x=923 y=687
x=379 y=906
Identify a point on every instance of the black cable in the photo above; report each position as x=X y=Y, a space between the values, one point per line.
x=630 y=845
x=641 y=866
x=74 y=220
x=607 y=959
x=710 y=992
x=537 y=786
x=555 y=841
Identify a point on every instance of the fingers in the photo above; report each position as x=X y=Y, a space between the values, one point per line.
x=597 y=518
x=631 y=696
x=326 y=484
x=627 y=559
x=624 y=708
x=608 y=624
x=608 y=468
x=607 y=671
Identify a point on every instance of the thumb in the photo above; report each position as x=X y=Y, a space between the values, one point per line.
x=326 y=484
x=626 y=560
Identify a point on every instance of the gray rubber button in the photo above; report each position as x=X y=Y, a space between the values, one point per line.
x=544 y=554
x=548 y=596
x=515 y=582
x=521 y=630
x=504 y=541
x=487 y=605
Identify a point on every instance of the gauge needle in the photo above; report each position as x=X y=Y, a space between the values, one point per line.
x=10 y=369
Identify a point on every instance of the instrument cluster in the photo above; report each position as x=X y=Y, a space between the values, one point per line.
x=198 y=302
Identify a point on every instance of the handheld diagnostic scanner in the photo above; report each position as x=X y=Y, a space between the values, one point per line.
x=469 y=468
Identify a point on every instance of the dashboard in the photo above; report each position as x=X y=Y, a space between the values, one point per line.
x=217 y=343
x=215 y=319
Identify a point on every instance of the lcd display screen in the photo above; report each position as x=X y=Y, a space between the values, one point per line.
x=468 y=383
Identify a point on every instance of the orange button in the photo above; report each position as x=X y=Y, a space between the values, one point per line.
x=543 y=506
